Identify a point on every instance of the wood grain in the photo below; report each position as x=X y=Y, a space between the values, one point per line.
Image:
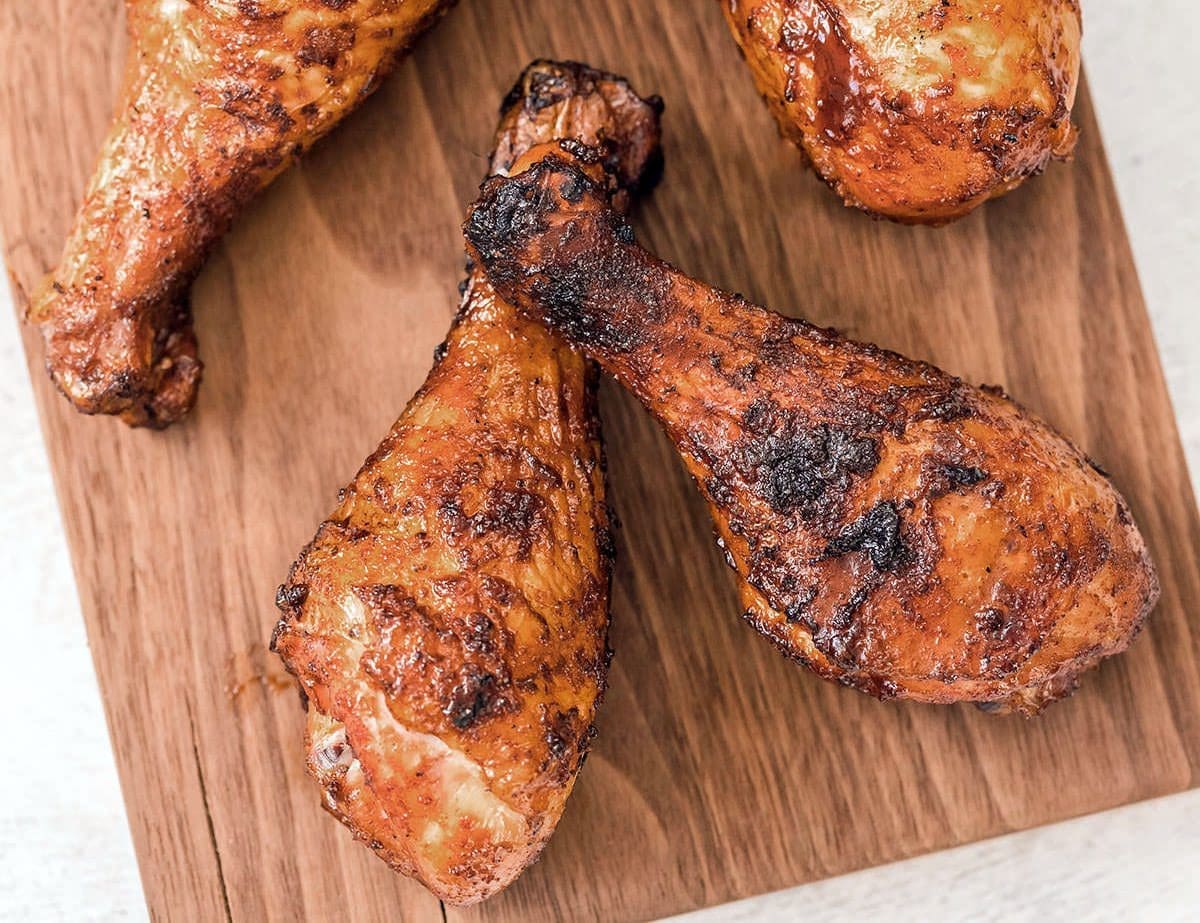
x=720 y=771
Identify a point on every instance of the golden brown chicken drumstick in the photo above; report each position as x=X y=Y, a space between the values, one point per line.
x=220 y=97
x=893 y=528
x=448 y=623
x=917 y=110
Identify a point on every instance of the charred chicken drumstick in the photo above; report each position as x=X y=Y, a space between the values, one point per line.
x=915 y=110
x=220 y=97
x=448 y=623
x=893 y=528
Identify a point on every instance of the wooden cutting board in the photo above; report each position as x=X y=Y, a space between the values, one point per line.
x=720 y=770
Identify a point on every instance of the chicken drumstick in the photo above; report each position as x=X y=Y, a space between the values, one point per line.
x=448 y=623
x=913 y=110
x=893 y=528
x=220 y=97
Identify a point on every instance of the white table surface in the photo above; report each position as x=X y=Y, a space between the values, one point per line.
x=65 y=851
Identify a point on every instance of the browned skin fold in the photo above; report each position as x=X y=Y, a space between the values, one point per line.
x=893 y=528
x=915 y=110
x=220 y=97
x=448 y=623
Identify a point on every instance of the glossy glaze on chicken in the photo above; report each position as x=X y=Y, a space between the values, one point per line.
x=916 y=110
x=220 y=97
x=448 y=623
x=893 y=528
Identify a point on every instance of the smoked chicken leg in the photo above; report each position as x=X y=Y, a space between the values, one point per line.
x=448 y=623
x=914 y=110
x=893 y=528
x=220 y=97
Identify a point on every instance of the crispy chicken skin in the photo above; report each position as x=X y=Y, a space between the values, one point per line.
x=893 y=528
x=915 y=110
x=448 y=623
x=220 y=97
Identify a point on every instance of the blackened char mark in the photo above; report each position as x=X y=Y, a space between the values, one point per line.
x=506 y=223
x=949 y=407
x=964 y=475
x=516 y=513
x=573 y=188
x=797 y=610
x=551 y=244
x=474 y=696
x=567 y=737
x=835 y=639
x=797 y=467
x=291 y=597
x=508 y=216
x=877 y=533
x=547 y=87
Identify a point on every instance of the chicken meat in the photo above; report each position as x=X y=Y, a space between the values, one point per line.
x=913 y=110
x=893 y=528
x=220 y=97
x=448 y=624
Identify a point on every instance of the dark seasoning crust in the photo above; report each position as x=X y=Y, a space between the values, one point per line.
x=839 y=474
